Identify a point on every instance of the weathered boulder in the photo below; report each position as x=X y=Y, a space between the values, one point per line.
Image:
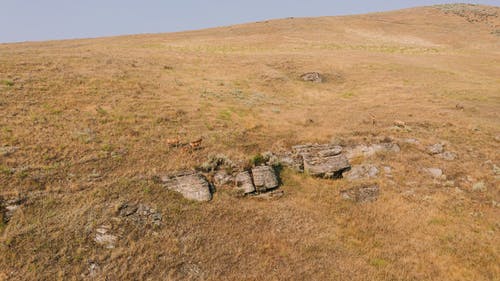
x=312 y=77
x=322 y=160
x=360 y=194
x=326 y=167
x=192 y=185
x=364 y=171
x=244 y=182
x=264 y=178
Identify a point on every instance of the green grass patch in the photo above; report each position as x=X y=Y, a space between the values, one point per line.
x=8 y=83
x=378 y=262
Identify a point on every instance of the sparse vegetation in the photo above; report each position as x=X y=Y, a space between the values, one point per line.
x=101 y=124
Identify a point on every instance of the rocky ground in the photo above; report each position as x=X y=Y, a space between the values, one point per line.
x=336 y=148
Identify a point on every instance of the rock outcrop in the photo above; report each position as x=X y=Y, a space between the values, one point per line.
x=192 y=185
x=321 y=160
x=244 y=182
x=264 y=178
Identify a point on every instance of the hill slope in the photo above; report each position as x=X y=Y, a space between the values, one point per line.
x=85 y=126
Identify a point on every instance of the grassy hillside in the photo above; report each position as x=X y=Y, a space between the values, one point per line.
x=84 y=126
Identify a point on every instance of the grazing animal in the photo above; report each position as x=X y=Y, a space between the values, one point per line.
x=175 y=142
x=196 y=144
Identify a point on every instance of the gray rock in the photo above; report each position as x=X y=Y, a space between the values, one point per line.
x=435 y=172
x=361 y=194
x=479 y=187
x=222 y=177
x=322 y=160
x=364 y=171
x=411 y=141
x=264 y=178
x=140 y=213
x=312 y=77
x=8 y=150
x=192 y=185
x=447 y=155
x=104 y=238
x=496 y=170
x=292 y=161
x=244 y=182
x=8 y=208
x=326 y=167
x=435 y=149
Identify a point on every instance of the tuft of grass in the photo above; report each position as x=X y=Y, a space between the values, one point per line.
x=8 y=83
x=378 y=262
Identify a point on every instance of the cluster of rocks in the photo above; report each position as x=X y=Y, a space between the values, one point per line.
x=438 y=150
x=195 y=185
x=139 y=214
x=327 y=161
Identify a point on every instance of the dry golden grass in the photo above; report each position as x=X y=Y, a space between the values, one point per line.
x=92 y=120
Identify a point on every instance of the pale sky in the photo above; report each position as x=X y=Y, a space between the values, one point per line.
x=33 y=20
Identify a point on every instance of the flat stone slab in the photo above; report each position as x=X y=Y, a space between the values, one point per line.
x=264 y=178
x=326 y=167
x=244 y=182
x=192 y=185
x=322 y=160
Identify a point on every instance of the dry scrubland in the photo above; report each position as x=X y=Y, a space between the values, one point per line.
x=84 y=127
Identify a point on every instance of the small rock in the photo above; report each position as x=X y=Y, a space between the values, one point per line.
x=435 y=172
x=264 y=178
x=8 y=150
x=222 y=177
x=496 y=170
x=360 y=194
x=192 y=185
x=399 y=123
x=244 y=182
x=411 y=141
x=126 y=210
x=315 y=77
x=459 y=106
x=94 y=269
x=102 y=237
x=364 y=171
x=479 y=187
x=435 y=149
x=447 y=155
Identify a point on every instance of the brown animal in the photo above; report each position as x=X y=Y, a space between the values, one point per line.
x=175 y=142
x=196 y=144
